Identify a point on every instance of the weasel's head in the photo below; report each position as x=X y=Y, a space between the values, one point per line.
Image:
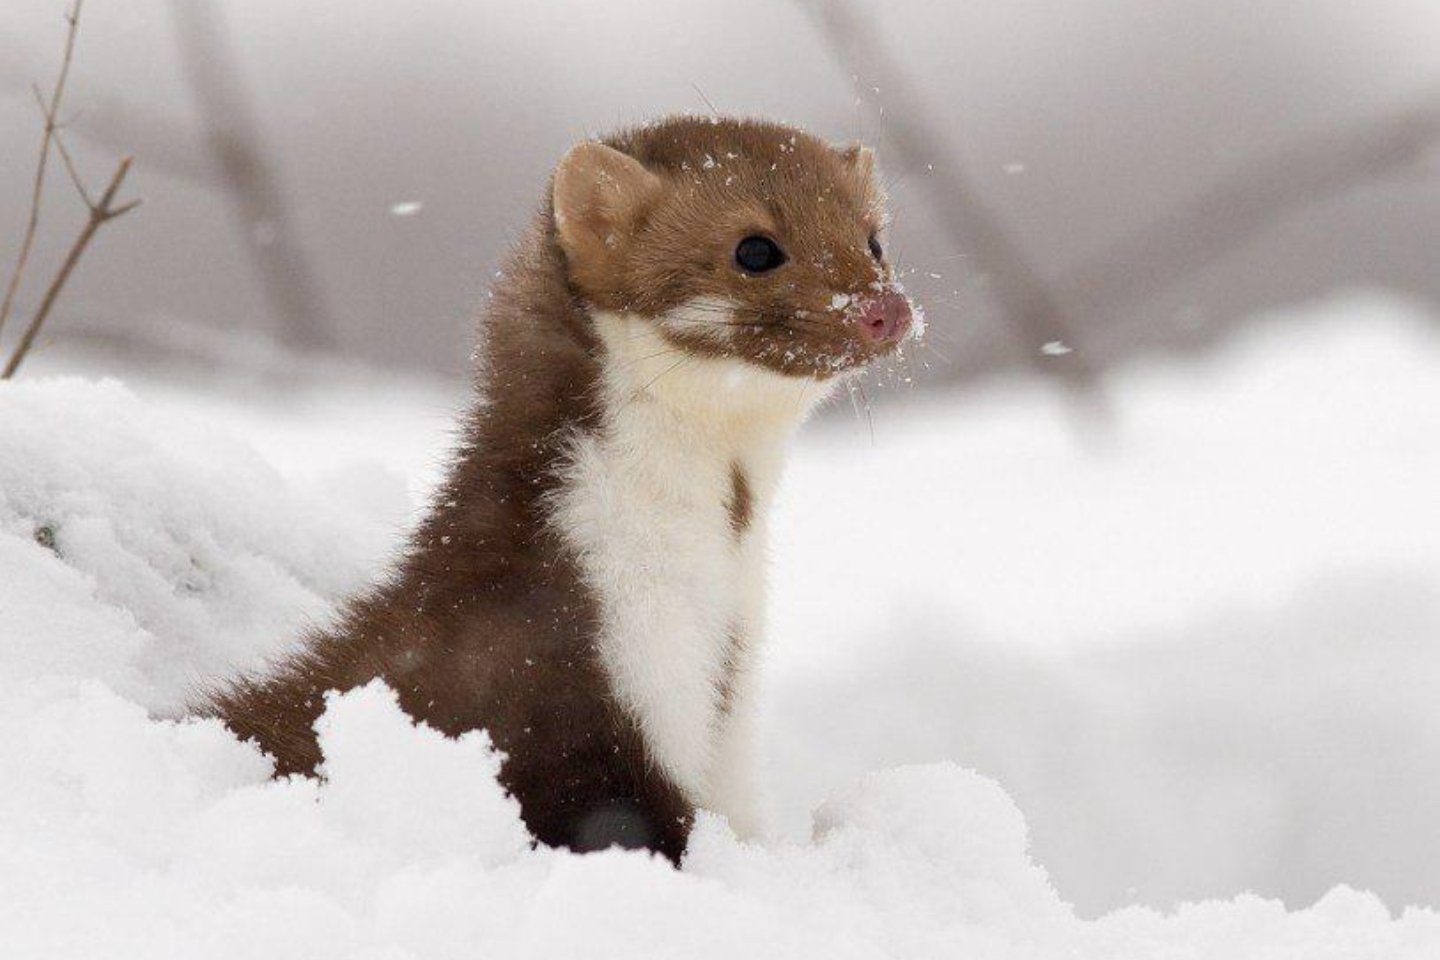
x=735 y=239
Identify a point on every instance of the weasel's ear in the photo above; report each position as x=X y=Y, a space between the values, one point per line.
x=861 y=159
x=598 y=195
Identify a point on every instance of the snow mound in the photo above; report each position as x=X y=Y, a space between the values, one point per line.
x=155 y=552
x=172 y=552
x=421 y=793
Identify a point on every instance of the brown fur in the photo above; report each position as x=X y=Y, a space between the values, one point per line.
x=486 y=622
x=742 y=501
x=674 y=217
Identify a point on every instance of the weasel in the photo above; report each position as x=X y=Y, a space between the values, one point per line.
x=589 y=584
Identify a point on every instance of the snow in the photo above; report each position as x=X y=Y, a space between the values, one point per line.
x=1200 y=660
x=1200 y=650
x=179 y=555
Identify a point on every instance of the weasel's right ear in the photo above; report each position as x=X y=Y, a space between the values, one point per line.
x=598 y=196
x=861 y=158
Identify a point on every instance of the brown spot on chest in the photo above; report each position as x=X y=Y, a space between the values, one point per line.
x=729 y=666
x=741 y=504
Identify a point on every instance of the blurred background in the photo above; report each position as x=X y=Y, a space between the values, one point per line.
x=1198 y=644
x=1134 y=176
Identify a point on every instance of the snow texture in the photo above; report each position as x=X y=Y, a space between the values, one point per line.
x=152 y=552
x=143 y=550
x=1202 y=652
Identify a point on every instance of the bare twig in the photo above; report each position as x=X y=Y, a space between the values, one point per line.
x=101 y=212
x=161 y=144
x=70 y=169
x=261 y=213
x=37 y=194
x=1037 y=317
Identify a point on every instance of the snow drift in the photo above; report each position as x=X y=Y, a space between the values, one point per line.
x=142 y=552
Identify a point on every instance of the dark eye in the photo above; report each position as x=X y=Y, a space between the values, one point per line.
x=758 y=255
x=875 y=250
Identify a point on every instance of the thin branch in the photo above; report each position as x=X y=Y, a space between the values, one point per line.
x=1036 y=316
x=72 y=171
x=37 y=194
x=65 y=155
x=160 y=143
x=226 y=155
x=101 y=213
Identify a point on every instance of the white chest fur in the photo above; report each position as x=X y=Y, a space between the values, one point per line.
x=647 y=505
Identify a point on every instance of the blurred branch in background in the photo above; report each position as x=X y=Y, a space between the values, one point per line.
x=255 y=197
x=102 y=211
x=1172 y=247
x=1255 y=195
x=1043 y=329
x=162 y=145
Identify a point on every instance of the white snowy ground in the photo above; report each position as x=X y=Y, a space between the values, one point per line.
x=1201 y=656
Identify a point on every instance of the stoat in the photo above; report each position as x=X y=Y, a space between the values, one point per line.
x=589 y=585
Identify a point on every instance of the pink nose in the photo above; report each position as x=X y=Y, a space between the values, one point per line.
x=885 y=317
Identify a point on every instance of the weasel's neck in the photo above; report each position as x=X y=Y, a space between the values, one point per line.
x=664 y=505
x=717 y=408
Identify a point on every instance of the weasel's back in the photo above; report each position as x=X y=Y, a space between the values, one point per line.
x=487 y=623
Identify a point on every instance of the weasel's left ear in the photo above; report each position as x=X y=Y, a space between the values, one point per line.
x=598 y=196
